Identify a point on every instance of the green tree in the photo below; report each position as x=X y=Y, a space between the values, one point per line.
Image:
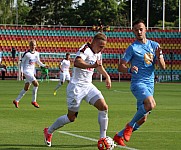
x=12 y=14
x=20 y=12
x=69 y=12
x=6 y=11
x=106 y=10
x=49 y=12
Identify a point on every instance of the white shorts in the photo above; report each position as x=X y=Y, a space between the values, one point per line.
x=30 y=77
x=76 y=93
x=64 y=76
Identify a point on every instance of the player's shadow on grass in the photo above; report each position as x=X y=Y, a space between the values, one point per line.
x=62 y=146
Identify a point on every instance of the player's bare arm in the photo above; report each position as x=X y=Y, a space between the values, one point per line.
x=160 y=58
x=102 y=71
x=80 y=63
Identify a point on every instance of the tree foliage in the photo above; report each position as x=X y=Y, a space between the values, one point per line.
x=11 y=13
x=70 y=12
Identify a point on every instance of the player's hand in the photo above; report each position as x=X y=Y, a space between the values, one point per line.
x=21 y=77
x=108 y=82
x=97 y=63
x=46 y=67
x=134 y=69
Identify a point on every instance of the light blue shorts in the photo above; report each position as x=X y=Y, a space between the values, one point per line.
x=141 y=91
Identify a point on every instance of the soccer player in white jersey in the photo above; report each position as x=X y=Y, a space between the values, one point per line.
x=28 y=61
x=80 y=87
x=64 y=72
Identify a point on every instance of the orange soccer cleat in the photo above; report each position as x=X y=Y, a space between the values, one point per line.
x=119 y=140
x=16 y=103
x=47 y=137
x=127 y=132
x=35 y=104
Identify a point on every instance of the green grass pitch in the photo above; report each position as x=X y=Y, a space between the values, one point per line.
x=23 y=128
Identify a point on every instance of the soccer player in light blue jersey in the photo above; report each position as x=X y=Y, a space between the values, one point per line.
x=142 y=55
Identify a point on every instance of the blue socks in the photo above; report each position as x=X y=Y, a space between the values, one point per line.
x=139 y=114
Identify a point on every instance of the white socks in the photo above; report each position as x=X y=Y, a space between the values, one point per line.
x=21 y=94
x=60 y=122
x=103 y=122
x=102 y=119
x=34 y=94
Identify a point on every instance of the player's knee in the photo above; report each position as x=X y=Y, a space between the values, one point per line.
x=72 y=117
x=148 y=107
x=26 y=88
x=35 y=83
x=152 y=105
x=103 y=107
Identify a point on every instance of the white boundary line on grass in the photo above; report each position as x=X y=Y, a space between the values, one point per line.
x=136 y=131
x=91 y=139
x=119 y=91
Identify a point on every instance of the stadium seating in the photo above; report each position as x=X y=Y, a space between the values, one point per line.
x=69 y=39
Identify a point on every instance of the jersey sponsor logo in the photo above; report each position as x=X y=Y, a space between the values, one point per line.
x=90 y=69
x=148 y=58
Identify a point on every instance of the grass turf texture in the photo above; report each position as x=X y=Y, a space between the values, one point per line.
x=23 y=128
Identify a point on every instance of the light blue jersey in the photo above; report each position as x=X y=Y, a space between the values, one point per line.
x=143 y=56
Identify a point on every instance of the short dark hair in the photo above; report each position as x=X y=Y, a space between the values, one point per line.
x=67 y=54
x=138 y=21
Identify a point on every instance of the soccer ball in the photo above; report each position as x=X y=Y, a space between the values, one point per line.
x=106 y=143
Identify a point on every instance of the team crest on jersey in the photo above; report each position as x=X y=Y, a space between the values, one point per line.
x=92 y=62
x=31 y=61
x=148 y=58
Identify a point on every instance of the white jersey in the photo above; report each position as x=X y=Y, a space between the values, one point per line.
x=28 y=62
x=84 y=76
x=65 y=65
